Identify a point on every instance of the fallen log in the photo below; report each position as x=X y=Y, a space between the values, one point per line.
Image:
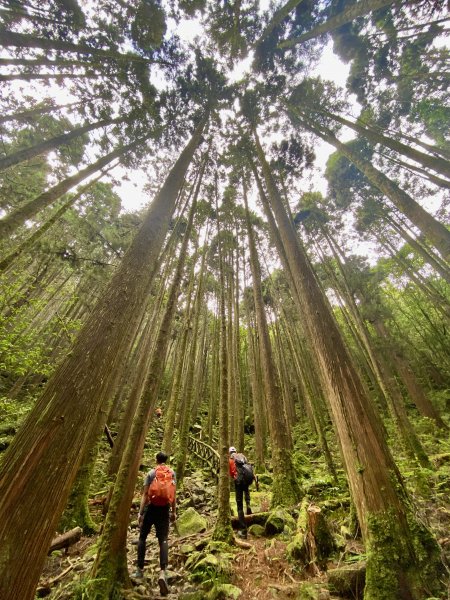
x=66 y=539
x=255 y=518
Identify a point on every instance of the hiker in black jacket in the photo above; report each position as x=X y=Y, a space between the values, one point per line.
x=242 y=473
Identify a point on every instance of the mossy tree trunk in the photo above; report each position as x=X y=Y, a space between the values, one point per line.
x=257 y=392
x=110 y=566
x=189 y=387
x=285 y=488
x=17 y=217
x=222 y=529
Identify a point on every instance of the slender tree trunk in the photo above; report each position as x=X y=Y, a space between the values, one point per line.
x=438 y=164
x=17 y=217
x=435 y=231
x=285 y=488
x=25 y=40
x=34 y=112
x=358 y=9
x=40 y=465
x=27 y=153
x=222 y=529
x=28 y=243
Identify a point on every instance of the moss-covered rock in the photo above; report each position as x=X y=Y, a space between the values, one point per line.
x=211 y=568
x=277 y=521
x=187 y=548
x=191 y=522
x=224 y=591
x=311 y=591
x=257 y=530
x=348 y=580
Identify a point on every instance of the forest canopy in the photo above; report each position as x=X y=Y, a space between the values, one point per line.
x=236 y=212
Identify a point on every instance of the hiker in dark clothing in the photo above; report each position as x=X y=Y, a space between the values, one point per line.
x=242 y=473
x=158 y=506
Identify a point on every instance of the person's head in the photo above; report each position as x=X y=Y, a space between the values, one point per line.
x=161 y=458
x=232 y=450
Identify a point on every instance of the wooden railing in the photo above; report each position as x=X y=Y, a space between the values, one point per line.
x=207 y=454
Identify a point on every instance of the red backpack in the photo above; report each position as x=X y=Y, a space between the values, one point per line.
x=161 y=491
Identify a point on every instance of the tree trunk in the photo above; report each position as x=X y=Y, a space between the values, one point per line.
x=222 y=529
x=17 y=217
x=435 y=231
x=359 y=9
x=28 y=243
x=47 y=145
x=438 y=164
x=285 y=488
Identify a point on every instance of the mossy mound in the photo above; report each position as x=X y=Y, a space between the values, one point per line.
x=265 y=479
x=224 y=591
x=278 y=521
x=348 y=580
x=191 y=522
x=257 y=530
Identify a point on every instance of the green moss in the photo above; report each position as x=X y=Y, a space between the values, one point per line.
x=279 y=520
x=401 y=557
x=257 y=530
x=224 y=591
x=191 y=522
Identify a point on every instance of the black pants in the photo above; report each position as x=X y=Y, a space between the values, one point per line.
x=159 y=517
x=241 y=491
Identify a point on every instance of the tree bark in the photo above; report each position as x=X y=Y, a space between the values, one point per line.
x=435 y=231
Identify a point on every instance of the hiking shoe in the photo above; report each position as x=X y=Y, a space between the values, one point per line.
x=162 y=582
x=242 y=534
x=249 y=510
x=138 y=574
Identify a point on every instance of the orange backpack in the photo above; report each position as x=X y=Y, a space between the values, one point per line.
x=161 y=491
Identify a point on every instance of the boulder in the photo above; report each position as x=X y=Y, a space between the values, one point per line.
x=224 y=591
x=191 y=522
x=348 y=580
x=277 y=521
x=257 y=530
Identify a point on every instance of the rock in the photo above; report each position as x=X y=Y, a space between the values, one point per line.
x=311 y=591
x=141 y=589
x=348 y=580
x=278 y=520
x=187 y=548
x=257 y=530
x=224 y=591
x=191 y=522
x=173 y=577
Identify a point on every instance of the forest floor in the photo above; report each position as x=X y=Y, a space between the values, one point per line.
x=261 y=570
